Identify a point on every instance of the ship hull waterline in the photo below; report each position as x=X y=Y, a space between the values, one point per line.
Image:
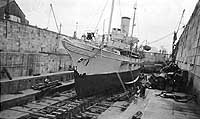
x=88 y=85
x=101 y=71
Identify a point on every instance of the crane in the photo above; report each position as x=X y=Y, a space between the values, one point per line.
x=174 y=45
x=59 y=29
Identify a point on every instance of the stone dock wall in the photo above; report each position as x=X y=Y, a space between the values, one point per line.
x=153 y=57
x=27 y=50
x=188 y=54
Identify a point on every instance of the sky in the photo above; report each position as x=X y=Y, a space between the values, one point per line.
x=154 y=18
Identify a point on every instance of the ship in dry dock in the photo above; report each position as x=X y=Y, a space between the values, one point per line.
x=37 y=77
x=114 y=58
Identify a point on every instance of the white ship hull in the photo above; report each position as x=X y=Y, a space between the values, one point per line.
x=99 y=66
x=96 y=61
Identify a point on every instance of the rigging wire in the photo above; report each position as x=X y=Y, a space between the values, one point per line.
x=162 y=38
x=101 y=14
x=48 y=18
x=180 y=21
x=120 y=10
x=179 y=7
x=134 y=15
x=54 y=17
x=138 y=27
x=165 y=36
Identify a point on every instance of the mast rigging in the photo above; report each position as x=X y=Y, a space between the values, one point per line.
x=111 y=14
x=135 y=7
x=59 y=30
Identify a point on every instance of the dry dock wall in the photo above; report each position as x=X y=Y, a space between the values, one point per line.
x=188 y=54
x=153 y=57
x=27 y=50
x=23 y=83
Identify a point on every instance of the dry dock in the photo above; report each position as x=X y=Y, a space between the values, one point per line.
x=37 y=82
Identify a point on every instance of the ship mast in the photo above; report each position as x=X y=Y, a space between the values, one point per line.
x=133 y=19
x=133 y=27
x=111 y=14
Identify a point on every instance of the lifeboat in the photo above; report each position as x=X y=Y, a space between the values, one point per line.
x=146 y=47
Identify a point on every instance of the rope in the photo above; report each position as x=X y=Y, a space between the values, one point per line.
x=101 y=15
x=54 y=17
x=164 y=36
x=90 y=57
x=120 y=11
x=138 y=25
x=48 y=18
x=121 y=81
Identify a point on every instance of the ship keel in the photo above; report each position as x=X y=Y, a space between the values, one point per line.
x=88 y=85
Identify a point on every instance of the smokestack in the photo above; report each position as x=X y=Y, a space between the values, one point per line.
x=125 y=22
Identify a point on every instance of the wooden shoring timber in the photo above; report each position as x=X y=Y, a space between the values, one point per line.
x=35 y=113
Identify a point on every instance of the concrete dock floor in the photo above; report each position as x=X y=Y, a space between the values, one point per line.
x=155 y=107
x=152 y=107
